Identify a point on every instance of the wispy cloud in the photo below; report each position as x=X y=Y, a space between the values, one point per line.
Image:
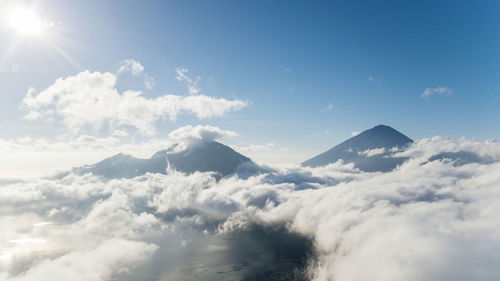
x=255 y=147
x=192 y=84
x=372 y=152
x=373 y=79
x=15 y=68
x=329 y=107
x=135 y=68
x=132 y=66
x=442 y=91
x=149 y=82
x=286 y=69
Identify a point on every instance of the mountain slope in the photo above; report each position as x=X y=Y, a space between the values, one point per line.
x=369 y=150
x=206 y=156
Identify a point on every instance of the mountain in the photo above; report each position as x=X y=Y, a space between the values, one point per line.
x=370 y=150
x=204 y=156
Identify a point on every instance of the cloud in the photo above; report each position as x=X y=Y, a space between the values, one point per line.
x=200 y=133
x=15 y=68
x=373 y=79
x=442 y=91
x=132 y=66
x=255 y=147
x=286 y=69
x=426 y=220
x=182 y=75
x=269 y=153
x=91 y=99
x=120 y=133
x=372 y=152
x=149 y=82
x=100 y=263
x=28 y=157
x=355 y=133
x=136 y=69
x=329 y=107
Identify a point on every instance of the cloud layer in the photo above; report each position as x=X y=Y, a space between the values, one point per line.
x=427 y=220
x=91 y=99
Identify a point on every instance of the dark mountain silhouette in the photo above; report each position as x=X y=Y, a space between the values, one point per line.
x=204 y=157
x=370 y=150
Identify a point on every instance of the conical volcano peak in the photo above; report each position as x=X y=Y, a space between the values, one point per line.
x=359 y=150
x=382 y=126
x=383 y=129
x=380 y=136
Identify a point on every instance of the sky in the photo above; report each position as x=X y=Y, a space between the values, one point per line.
x=278 y=81
x=286 y=79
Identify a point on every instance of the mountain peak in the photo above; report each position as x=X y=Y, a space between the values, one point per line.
x=381 y=126
x=360 y=150
x=210 y=156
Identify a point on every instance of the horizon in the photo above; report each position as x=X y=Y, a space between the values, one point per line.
x=301 y=88
x=100 y=154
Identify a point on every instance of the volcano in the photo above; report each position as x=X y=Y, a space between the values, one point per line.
x=370 y=151
x=210 y=156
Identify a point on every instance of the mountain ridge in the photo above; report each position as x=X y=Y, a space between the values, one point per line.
x=208 y=156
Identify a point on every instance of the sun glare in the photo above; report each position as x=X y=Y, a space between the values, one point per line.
x=25 y=22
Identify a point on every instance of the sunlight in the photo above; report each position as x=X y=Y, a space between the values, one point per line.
x=25 y=22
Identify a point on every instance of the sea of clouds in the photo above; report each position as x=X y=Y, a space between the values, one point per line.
x=426 y=220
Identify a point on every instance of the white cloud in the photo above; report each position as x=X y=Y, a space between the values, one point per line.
x=91 y=99
x=120 y=133
x=425 y=148
x=328 y=107
x=423 y=221
x=286 y=69
x=15 y=68
x=200 y=133
x=442 y=91
x=373 y=79
x=100 y=263
x=149 y=82
x=40 y=156
x=372 y=152
x=355 y=133
x=182 y=75
x=136 y=69
x=270 y=154
x=132 y=66
x=255 y=147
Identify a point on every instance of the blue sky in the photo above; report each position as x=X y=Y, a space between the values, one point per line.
x=312 y=71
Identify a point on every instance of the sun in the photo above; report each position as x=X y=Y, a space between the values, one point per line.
x=25 y=22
